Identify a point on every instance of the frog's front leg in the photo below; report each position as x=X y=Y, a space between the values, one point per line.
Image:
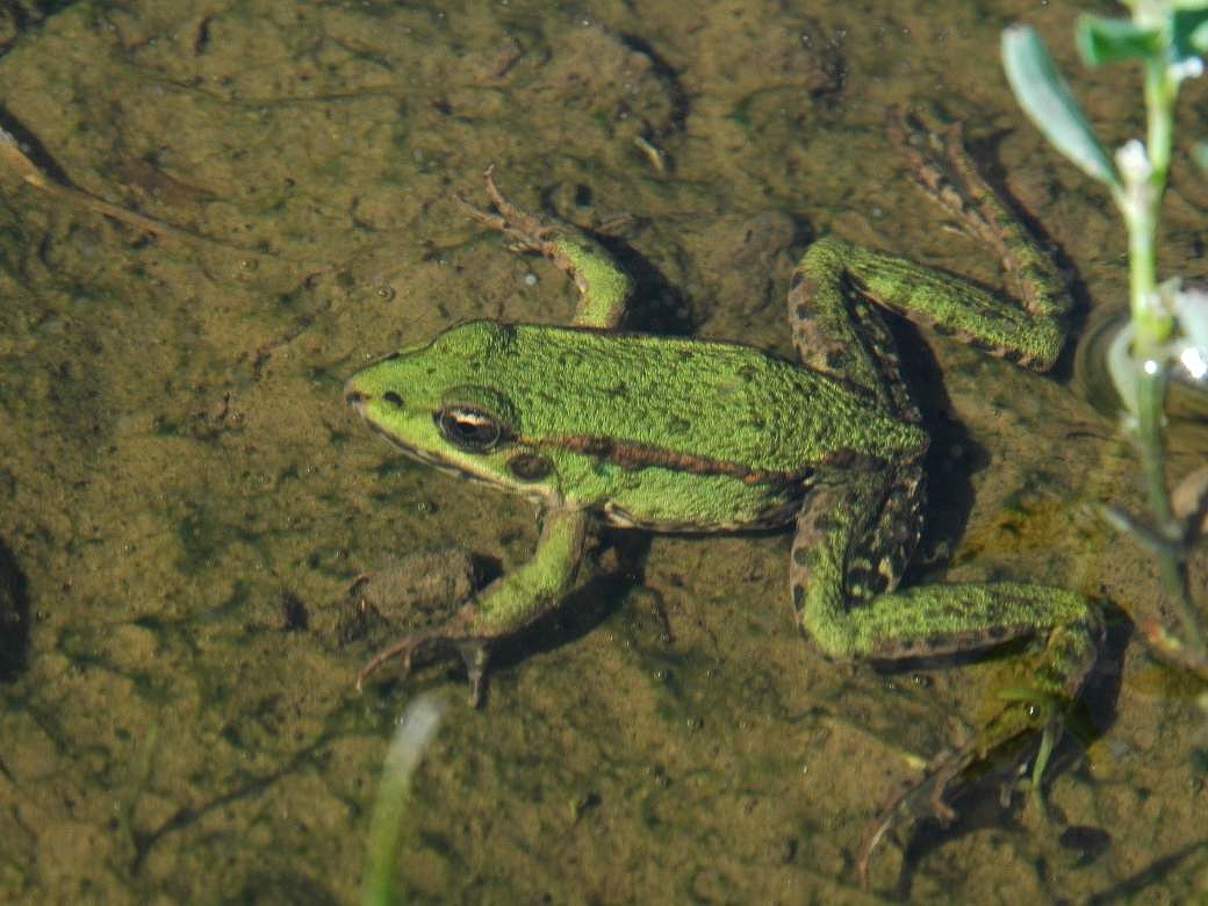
x=604 y=288
x=504 y=607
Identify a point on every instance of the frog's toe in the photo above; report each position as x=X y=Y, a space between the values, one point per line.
x=453 y=638
x=509 y=211
x=404 y=649
x=488 y=219
x=524 y=231
x=915 y=800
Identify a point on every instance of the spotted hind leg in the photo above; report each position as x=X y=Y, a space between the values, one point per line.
x=854 y=537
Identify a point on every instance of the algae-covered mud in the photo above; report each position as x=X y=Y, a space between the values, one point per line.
x=187 y=506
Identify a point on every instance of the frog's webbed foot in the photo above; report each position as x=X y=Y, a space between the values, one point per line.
x=433 y=644
x=426 y=593
x=938 y=160
x=944 y=170
x=926 y=795
x=941 y=166
x=525 y=232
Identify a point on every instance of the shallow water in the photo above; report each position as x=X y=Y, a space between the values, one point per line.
x=186 y=499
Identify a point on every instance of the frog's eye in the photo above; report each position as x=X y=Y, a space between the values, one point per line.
x=469 y=428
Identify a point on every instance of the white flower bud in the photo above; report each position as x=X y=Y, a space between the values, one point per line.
x=1133 y=162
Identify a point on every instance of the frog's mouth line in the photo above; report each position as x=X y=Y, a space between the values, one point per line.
x=535 y=492
x=421 y=455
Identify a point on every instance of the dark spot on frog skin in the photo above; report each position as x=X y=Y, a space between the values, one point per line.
x=529 y=466
x=393 y=399
x=293 y=613
x=678 y=426
x=803 y=313
x=823 y=525
x=798 y=597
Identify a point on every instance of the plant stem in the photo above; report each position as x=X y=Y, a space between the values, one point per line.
x=1152 y=324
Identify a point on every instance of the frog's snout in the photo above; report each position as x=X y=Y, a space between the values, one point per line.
x=359 y=399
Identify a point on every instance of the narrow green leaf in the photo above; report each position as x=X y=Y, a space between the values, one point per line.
x=1046 y=99
x=1103 y=40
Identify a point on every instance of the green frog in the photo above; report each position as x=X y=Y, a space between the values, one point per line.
x=675 y=434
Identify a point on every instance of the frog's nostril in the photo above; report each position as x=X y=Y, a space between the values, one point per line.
x=354 y=397
x=393 y=399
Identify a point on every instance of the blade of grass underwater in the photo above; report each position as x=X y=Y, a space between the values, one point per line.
x=415 y=731
x=1046 y=99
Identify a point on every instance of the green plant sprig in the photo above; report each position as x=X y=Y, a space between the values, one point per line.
x=1169 y=39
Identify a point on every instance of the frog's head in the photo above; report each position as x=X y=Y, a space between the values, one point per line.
x=442 y=403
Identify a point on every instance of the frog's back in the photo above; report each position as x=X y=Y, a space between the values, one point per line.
x=700 y=400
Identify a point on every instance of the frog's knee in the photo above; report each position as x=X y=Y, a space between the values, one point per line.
x=826 y=253
x=833 y=637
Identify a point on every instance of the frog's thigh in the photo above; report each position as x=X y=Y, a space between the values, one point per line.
x=838 y=332
x=829 y=564
x=839 y=559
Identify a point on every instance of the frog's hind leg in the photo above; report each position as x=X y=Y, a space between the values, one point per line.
x=847 y=557
x=844 y=573
x=836 y=277
x=883 y=541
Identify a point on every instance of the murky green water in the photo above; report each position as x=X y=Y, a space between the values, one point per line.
x=186 y=499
